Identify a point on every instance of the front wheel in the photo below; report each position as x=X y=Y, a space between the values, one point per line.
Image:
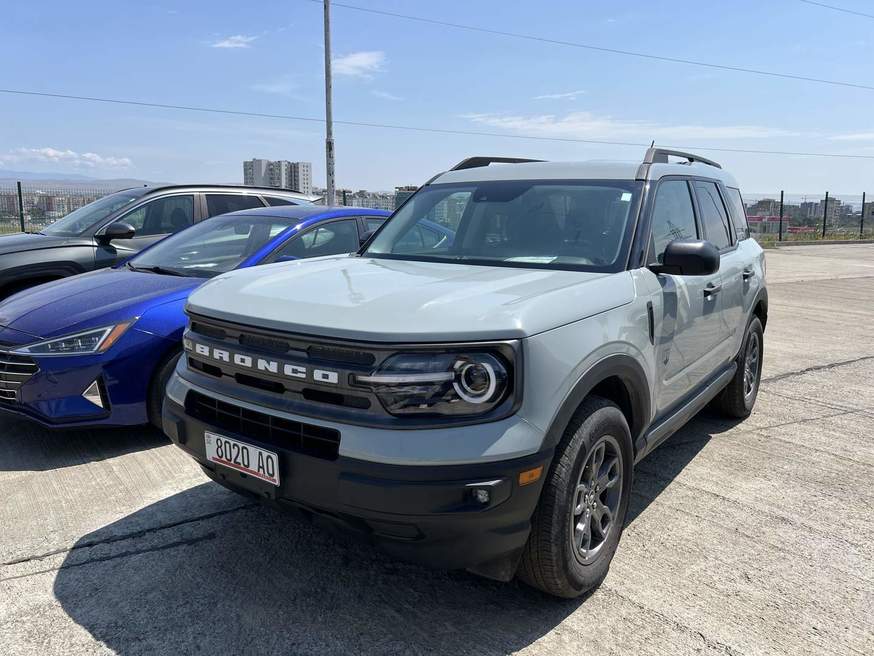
x=576 y=528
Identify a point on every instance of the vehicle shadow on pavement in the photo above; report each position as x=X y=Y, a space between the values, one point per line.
x=250 y=579
x=29 y=447
x=657 y=471
x=209 y=571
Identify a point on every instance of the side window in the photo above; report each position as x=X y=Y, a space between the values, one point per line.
x=374 y=224
x=329 y=239
x=673 y=217
x=274 y=201
x=714 y=219
x=162 y=216
x=738 y=213
x=223 y=203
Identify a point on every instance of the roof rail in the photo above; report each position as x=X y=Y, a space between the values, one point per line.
x=477 y=162
x=660 y=156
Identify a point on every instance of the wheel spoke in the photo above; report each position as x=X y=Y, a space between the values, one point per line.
x=602 y=519
x=579 y=499
x=583 y=533
x=597 y=461
x=609 y=475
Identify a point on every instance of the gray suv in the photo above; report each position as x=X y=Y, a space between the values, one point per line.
x=479 y=401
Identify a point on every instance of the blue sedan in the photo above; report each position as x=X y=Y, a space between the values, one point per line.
x=97 y=349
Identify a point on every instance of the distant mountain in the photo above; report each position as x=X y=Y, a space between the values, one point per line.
x=31 y=175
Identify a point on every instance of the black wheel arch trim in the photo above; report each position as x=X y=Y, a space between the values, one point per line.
x=626 y=369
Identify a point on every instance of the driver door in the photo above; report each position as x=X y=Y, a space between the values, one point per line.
x=152 y=220
x=688 y=343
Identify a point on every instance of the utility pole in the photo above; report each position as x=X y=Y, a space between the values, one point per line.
x=329 y=111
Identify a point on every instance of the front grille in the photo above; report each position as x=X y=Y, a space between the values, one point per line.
x=316 y=441
x=15 y=370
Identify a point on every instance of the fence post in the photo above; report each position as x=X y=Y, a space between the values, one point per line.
x=20 y=205
x=862 y=219
x=824 y=214
x=780 y=236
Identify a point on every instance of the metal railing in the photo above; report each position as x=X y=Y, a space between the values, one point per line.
x=29 y=206
x=784 y=217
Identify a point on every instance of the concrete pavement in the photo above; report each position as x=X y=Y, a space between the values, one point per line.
x=746 y=538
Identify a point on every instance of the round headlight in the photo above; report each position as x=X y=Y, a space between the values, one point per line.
x=475 y=382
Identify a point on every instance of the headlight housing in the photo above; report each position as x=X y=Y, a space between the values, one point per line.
x=96 y=340
x=444 y=383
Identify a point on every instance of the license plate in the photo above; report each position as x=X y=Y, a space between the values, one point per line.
x=245 y=458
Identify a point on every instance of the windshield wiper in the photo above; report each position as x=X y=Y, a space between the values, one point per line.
x=156 y=269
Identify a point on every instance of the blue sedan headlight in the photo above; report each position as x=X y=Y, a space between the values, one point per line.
x=97 y=340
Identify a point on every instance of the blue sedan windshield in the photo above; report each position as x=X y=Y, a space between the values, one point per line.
x=215 y=246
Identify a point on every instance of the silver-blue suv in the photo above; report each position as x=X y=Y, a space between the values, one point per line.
x=477 y=396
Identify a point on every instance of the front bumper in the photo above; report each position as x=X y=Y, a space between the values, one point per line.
x=53 y=395
x=427 y=514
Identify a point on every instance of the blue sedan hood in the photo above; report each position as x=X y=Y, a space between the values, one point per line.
x=90 y=300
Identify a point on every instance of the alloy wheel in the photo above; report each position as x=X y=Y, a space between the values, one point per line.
x=596 y=499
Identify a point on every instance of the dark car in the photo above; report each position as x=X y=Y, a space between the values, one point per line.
x=117 y=226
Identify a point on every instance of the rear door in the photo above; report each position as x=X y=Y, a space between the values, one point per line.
x=718 y=229
x=691 y=328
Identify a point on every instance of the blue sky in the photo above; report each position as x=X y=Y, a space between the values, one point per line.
x=267 y=57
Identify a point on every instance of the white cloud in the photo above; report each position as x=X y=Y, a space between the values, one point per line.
x=385 y=95
x=854 y=136
x=65 y=157
x=568 y=95
x=360 y=64
x=235 y=41
x=587 y=125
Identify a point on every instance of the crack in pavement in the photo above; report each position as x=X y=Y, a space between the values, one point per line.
x=815 y=368
x=126 y=536
x=122 y=554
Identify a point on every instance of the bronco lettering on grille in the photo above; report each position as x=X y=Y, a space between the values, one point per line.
x=274 y=367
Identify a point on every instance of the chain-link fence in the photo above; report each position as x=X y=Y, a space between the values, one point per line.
x=786 y=217
x=29 y=206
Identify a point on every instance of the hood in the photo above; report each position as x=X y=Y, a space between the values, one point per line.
x=90 y=300
x=21 y=242
x=394 y=300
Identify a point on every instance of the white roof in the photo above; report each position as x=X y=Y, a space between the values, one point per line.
x=590 y=170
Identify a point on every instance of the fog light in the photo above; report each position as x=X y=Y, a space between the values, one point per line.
x=482 y=496
x=94 y=395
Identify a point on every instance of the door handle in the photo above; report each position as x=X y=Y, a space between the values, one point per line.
x=712 y=290
x=748 y=273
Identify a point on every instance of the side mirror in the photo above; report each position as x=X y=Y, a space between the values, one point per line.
x=117 y=230
x=366 y=237
x=689 y=257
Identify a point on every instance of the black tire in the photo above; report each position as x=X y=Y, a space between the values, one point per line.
x=552 y=561
x=739 y=396
x=158 y=388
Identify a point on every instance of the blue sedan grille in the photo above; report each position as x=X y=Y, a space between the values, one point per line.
x=15 y=370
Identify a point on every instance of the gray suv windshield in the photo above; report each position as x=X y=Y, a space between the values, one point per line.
x=545 y=224
x=86 y=217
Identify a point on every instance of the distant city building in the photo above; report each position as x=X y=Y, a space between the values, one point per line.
x=280 y=174
x=402 y=193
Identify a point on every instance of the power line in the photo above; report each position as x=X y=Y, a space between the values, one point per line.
x=835 y=8
x=416 y=128
x=614 y=51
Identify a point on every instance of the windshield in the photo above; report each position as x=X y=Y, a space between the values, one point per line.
x=541 y=224
x=212 y=247
x=87 y=216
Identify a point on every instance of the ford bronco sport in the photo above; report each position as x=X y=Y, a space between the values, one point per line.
x=478 y=399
